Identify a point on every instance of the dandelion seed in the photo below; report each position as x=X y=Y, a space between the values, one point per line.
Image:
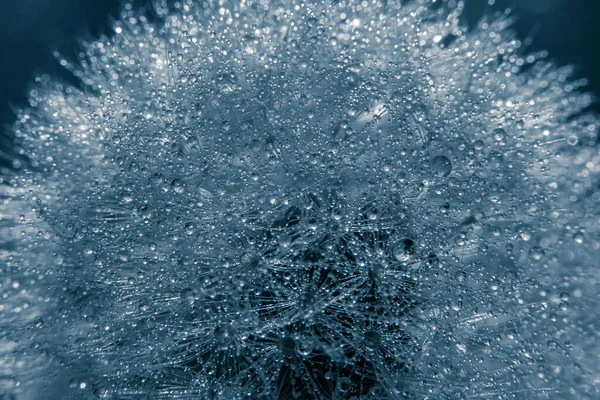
x=289 y=200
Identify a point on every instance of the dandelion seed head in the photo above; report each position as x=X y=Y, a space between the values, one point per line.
x=277 y=200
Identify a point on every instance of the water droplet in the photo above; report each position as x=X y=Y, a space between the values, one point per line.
x=190 y=227
x=287 y=346
x=249 y=260
x=372 y=339
x=499 y=134
x=177 y=186
x=441 y=166
x=457 y=305
x=372 y=213
x=404 y=249
x=226 y=126
x=188 y=295
x=478 y=145
x=144 y=211
x=432 y=259
x=536 y=253
x=337 y=213
x=344 y=384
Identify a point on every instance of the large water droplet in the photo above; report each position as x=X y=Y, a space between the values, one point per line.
x=499 y=134
x=372 y=339
x=287 y=345
x=404 y=249
x=441 y=166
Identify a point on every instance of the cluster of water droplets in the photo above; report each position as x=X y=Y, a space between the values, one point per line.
x=290 y=200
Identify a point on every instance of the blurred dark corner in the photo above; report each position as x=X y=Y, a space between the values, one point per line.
x=30 y=30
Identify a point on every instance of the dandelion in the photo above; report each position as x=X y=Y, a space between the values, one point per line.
x=297 y=200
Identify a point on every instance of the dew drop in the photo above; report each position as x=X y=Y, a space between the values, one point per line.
x=441 y=166
x=478 y=145
x=404 y=249
x=190 y=227
x=287 y=346
x=144 y=211
x=372 y=339
x=344 y=384
x=457 y=305
x=499 y=134
x=177 y=186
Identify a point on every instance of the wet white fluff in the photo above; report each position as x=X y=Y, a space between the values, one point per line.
x=303 y=200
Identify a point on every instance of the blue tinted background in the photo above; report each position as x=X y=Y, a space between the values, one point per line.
x=30 y=30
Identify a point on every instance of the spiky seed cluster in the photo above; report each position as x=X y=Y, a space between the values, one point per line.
x=289 y=200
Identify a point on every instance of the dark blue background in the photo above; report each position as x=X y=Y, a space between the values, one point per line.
x=30 y=30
